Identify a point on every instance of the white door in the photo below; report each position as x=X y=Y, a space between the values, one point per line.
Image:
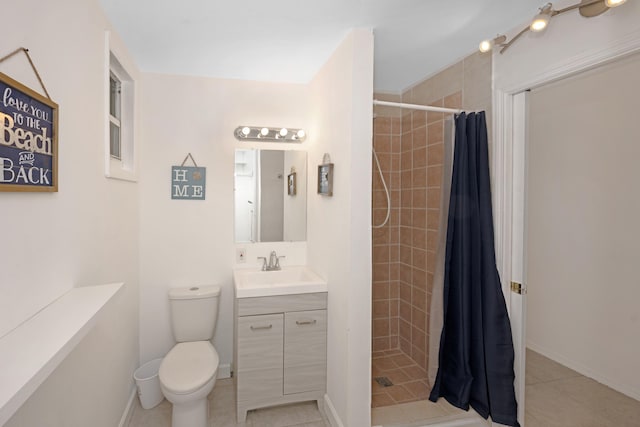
x=518 y=297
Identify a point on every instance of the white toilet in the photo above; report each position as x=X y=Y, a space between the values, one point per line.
x=188 y=372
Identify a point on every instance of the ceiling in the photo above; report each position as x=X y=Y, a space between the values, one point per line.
x=289 y=40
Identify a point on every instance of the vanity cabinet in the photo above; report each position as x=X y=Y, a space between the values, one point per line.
x=280 y=355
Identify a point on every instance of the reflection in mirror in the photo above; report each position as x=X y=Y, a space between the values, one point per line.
x=265 y=209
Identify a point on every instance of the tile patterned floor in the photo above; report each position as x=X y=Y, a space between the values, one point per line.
x=222 y=407
x=409 y=380
x=556 y=396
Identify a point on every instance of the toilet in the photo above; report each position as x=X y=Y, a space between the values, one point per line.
x=188 y=372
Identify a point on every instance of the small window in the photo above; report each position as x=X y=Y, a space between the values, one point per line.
x=115 y=109
x=120 y=150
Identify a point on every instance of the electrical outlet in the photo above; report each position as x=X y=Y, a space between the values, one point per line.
x=241 y=255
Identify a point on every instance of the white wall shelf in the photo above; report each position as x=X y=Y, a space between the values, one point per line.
x=33 y=350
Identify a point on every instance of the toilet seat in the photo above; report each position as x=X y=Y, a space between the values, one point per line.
x=188 y=366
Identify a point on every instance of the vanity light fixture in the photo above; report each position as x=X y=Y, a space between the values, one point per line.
x=267 y=134
x=587 y=8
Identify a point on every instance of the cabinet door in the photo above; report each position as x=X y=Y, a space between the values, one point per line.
x=260 y=344
x=305 y=351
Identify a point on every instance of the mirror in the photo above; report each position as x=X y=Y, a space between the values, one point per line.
x=270 y=195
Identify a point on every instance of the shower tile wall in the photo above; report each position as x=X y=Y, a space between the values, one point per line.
x=386 y=141
x=404 y=251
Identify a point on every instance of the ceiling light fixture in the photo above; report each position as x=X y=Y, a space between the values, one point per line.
x=587 y=8
x=541 y=20
x=487 y=45
x=265 y=134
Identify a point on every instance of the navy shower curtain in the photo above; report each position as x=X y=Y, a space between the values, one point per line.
x=476 y=347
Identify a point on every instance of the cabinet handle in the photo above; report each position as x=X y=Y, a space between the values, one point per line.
x=306 y=322
x=255 y=328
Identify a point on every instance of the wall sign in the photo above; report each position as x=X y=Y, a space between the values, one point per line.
x=28 y=139
x=188 y=182
x=325 y=179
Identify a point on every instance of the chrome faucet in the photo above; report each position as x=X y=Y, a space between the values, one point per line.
x=274 y=262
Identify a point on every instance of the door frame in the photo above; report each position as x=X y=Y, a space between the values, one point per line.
x=508 y=122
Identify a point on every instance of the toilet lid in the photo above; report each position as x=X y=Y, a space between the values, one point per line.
x=188 y=366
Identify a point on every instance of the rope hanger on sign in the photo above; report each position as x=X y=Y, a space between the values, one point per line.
x=189 y=156
x=35 y=70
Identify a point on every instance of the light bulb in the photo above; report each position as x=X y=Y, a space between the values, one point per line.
x=539 y=23
x=541 y=20
x=485 y=46
x=246 y=131
x=283 y=132
x=264 y=131
x=614 y=3
x=301 y=134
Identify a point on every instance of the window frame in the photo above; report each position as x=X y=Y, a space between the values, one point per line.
x=124 y=166
x=115 y=117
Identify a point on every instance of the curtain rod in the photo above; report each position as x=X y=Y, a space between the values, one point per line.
x=417 y=107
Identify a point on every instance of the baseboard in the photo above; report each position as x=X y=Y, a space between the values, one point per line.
x=128 y=410
x=224 y=370
x=625 y=389
x=331 y=413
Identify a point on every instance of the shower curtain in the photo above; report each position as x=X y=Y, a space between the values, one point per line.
x=476 y=349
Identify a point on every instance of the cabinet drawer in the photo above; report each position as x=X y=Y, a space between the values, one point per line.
x=281 y=304
x=259 y=363
x=305 y=351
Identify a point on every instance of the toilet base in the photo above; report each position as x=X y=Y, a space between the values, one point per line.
x=190 y=414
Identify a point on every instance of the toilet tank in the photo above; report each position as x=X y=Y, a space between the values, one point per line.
x=194 y=312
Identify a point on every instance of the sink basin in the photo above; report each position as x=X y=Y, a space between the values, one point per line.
x=290 y=280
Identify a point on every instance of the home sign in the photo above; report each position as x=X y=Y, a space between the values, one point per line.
x=188 y=182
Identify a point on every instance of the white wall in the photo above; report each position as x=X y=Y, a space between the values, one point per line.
x=570 y=44
x=183 y=242
x=583 y=234
x=87 y=232
x=339 y=238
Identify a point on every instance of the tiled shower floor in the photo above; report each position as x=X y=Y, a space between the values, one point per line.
x=409 y=380
x=406 y=401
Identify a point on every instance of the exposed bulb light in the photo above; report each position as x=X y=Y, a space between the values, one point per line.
x=487 y=45
x=269 y=134
x=614 y=3
x=541 y=20
x=539 y=23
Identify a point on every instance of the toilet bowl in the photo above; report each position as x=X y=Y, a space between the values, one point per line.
x=189 y=371
x=187 y=376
